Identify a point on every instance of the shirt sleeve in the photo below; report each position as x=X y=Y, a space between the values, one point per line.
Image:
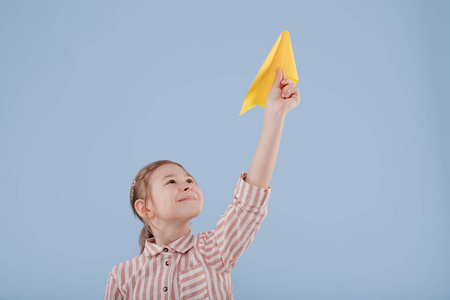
x=237 y=227
x=112 y=289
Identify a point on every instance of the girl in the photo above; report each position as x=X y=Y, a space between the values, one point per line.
x=174 y=264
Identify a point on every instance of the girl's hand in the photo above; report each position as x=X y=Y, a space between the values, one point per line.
x=283 y=96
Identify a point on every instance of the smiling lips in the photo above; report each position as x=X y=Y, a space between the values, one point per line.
x=188 y=198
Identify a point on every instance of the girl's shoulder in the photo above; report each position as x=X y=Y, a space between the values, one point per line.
x=126 y=267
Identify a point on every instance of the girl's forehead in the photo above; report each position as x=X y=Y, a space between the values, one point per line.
x=166 y=170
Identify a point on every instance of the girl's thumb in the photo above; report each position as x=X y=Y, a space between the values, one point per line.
x=278 y=78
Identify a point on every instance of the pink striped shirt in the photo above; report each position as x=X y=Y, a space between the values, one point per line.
x=194 y=268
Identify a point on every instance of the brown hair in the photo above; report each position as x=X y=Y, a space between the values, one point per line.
x=141 y=190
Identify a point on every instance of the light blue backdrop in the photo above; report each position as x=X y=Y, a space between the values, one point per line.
x=92 y=91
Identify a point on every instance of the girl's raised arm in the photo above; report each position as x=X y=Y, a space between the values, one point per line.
x=283 y=96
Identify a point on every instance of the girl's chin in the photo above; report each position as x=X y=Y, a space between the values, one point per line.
x=193 y=214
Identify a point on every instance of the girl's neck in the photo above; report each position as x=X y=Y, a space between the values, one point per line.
x=170 y=233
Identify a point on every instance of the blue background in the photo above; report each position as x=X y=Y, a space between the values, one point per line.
x=92 y=91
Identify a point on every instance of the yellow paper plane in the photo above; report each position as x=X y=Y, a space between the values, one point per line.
x=281 y=56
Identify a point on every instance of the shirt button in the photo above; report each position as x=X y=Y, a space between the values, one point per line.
x=165 y=289
x=167 y=263
x=165 y=249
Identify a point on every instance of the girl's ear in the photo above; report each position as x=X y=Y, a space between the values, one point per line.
x=142 y=210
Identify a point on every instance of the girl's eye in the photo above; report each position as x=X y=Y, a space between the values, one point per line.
x=173 y=181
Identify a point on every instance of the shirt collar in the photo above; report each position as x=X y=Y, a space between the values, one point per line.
x=182 y=245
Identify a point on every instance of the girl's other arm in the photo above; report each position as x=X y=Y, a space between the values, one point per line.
x=283 y=96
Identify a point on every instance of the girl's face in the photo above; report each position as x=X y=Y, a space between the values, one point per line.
x=174 y=195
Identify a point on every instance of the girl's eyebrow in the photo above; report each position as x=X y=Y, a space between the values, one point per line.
x=173 y=175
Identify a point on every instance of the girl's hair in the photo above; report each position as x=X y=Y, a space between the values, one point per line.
x=141 y=190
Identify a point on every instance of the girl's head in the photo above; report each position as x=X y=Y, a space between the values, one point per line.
x=163 y=192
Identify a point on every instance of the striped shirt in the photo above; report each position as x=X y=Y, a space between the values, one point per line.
x=194 y=267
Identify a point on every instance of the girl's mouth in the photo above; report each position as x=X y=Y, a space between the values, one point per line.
x=188 y=198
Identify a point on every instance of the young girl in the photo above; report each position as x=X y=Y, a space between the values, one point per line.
x=174 y=264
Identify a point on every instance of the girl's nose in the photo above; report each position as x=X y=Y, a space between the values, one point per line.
x=188 y=187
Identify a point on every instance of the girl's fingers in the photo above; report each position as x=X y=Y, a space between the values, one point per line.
x=294 y=92
x=288 y=91
x=286 y=81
